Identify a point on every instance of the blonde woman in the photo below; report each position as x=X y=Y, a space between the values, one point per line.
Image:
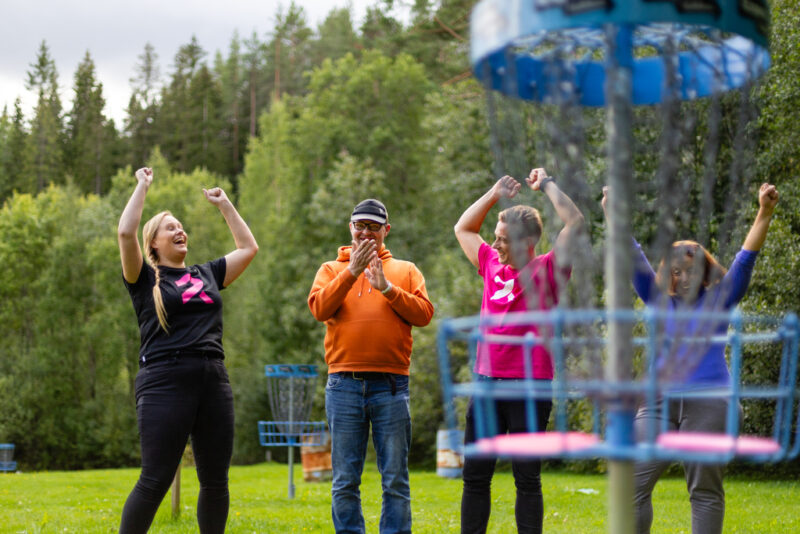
x=182 y=387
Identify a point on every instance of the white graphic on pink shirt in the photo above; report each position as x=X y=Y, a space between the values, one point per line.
x=197 y=287
x=508 y=288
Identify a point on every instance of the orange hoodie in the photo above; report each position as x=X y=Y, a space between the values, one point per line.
x=367 y=330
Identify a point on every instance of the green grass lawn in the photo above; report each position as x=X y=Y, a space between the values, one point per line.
x=91 y=501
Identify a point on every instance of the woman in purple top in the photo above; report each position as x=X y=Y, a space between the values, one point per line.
x=691 y=279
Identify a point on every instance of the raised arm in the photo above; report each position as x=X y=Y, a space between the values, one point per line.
x=566 y=210
x=644 y=277
x=767 y=199
x=246 y=246
x=129 y=250
x=468 y=227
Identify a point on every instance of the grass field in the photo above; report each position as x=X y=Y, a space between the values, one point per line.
x=91 y=501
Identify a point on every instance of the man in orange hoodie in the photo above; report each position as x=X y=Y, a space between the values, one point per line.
x=369 y=301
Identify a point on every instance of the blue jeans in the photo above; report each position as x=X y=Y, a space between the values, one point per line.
x=352 y=405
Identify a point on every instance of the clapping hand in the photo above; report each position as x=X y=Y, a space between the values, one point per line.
x=374 y=274
x=361 y=255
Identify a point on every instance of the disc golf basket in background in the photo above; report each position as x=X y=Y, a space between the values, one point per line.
x=290 y=390
x=7 y=463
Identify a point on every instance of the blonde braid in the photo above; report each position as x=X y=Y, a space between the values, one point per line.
x=148 y=234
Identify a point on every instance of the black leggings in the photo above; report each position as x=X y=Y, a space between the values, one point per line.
x=179 y=397
x=478 y=472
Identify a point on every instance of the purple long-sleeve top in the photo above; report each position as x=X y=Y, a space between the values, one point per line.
x=693 y=362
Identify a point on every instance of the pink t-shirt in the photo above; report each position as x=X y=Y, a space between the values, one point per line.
x=502 y=294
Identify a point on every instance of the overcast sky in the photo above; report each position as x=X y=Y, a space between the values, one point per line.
x=115 y=34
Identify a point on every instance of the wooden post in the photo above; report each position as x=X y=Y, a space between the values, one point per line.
x=176 y=494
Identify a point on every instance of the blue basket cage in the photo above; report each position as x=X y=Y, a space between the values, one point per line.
x=650 y=387
x=285 y=434
x=7 y=462
x=283 y=370
x=545 y=49
x=290 y=388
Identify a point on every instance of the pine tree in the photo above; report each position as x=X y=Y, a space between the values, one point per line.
x=439 y=38
x=254 y=61
x=337 y=37
x=177 y=121
x=381 y=32
x=88 y=150
x=231 y=73
x=143 y=108
x=204 y=144
x=45 y=147
x=290 y=51
x=13 y=170
x=5 y=156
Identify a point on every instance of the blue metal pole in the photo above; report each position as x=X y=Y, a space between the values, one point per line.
x=291 y=437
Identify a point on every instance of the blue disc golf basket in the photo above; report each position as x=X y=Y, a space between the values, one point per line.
x=614 y=54
x=544 y=50
x=290 y=390
x=7 y=462
x=748 y=338
x=746 y=333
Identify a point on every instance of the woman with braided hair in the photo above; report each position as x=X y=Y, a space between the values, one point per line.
x=182 y=387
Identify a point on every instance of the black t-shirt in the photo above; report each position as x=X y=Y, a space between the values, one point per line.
x=194 y=309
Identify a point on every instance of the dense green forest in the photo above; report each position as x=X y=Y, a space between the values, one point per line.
x=298 y=126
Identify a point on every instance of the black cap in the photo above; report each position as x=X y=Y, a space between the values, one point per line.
x=371 y=210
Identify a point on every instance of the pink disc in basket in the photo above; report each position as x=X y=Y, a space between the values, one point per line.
x=537 y=443
x=707 y=442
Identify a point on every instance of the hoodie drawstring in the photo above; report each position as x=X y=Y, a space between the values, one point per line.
x=360 y=289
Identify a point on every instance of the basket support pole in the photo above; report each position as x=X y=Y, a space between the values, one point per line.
x=618 y=270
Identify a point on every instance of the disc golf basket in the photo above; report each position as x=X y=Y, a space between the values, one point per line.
x=290 y=390
x=7 y=463
x=603 y=436
x=747 y=334
x=570 y=54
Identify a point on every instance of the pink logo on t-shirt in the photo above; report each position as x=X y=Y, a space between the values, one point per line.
x=197 y=287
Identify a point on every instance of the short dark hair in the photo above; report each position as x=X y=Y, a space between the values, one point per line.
x=523 y=221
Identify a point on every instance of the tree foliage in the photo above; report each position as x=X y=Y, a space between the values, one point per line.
x=89 y=155
x=298 y=125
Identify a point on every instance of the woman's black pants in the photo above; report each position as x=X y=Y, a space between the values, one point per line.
x=178 y=398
